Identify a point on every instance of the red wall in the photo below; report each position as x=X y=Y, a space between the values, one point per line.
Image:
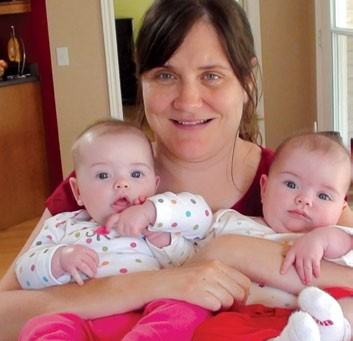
x=33 y=29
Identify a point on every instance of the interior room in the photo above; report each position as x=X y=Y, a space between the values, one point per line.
x=68 y=88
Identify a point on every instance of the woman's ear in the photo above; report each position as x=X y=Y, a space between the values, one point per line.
x=75 y=190
x=263 y=183
x=254 y=62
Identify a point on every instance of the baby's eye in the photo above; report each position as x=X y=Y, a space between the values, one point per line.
x=324 y=196
x=102 y=175
x=136 y=174
x=291 y=184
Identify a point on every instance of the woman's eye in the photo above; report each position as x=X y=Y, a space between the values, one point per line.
x=136 y=174
x=324 y=196
x=212 y=76
x=291 y=185
x=165 y=76
x=102 y=175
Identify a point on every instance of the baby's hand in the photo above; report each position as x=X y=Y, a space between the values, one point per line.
x=158 y=239
x=133 y=220
x=78 y=258
x=306 y=254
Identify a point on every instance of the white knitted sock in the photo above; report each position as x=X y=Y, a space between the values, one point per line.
x=300 y=327
x=327 y=313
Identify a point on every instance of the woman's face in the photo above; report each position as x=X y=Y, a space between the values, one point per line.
x=194 y=102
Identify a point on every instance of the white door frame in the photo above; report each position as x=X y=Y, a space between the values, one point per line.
x=252 y=8
x=324 y=69
x=111 y=59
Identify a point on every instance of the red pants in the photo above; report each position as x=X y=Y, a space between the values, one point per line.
x=252 y=323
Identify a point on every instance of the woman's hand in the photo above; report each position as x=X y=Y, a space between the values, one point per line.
x=211 y=284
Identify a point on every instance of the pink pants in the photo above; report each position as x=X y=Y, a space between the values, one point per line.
x=160 y=320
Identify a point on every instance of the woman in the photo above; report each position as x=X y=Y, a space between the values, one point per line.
x=196 y=72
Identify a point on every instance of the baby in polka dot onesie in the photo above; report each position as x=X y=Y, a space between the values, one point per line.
x=124 y=227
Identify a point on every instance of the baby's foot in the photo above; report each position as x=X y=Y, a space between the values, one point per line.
x=300 y=327
x=327 y=313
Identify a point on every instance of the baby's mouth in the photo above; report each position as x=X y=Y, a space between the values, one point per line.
x=299 y=213
x=121 y=204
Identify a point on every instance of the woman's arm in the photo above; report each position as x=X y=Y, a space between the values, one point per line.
x=261 y=260
x=210 y=284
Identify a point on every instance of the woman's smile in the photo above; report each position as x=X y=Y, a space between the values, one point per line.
x=193 y=123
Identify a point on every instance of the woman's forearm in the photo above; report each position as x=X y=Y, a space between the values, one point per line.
x=95 y=298
x=261 y=259
x=211 y=285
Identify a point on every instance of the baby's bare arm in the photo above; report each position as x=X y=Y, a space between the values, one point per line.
x=308 y=250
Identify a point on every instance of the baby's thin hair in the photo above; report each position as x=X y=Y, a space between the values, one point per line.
x=320 y=141
x=324 y=142
x=106 y=127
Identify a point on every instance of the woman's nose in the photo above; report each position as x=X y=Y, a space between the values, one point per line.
x=188 y=97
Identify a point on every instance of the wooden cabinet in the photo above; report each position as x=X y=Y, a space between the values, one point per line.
x=24 y=180
x=15 y=6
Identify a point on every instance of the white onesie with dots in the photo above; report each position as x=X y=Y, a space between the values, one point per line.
x=186 y=216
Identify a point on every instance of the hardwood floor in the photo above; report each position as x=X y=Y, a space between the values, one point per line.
x=11 y=242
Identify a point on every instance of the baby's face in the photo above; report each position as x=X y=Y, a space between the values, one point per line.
x=113 y=172
x=305 y=190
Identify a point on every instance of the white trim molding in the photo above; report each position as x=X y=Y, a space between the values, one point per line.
x=111 y=59
x=324 y=68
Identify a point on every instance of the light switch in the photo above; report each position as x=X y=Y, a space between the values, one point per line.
x=62 y=56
